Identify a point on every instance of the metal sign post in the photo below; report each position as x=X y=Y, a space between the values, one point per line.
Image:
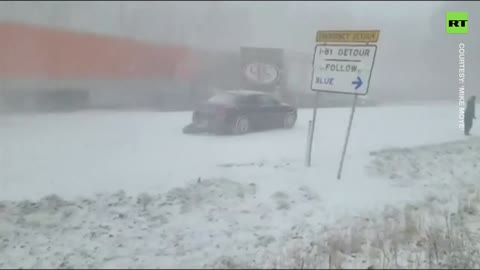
x=311 y=130
x=354 y=105
x=308 y=153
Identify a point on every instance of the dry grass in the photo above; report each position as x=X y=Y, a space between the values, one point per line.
x=408 y=239
x=430 y=234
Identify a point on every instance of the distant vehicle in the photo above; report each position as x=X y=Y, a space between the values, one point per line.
x=241 y=111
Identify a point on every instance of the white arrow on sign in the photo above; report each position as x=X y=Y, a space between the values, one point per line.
x=343 y=68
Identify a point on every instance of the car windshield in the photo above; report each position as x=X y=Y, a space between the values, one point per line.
x=226 y=99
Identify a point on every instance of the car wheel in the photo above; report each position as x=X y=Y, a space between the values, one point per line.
x=241 y=125
x=289 y=120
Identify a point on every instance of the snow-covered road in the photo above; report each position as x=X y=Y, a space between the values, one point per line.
x=137 y=192
x=82 y=153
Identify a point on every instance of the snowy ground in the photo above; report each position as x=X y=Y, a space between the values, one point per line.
x=132 y=191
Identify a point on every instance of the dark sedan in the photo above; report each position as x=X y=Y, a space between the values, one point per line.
x=241 y=111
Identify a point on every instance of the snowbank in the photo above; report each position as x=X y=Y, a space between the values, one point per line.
x=222 y=223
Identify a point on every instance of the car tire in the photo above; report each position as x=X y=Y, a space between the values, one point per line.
x=289 y=120
x=241 y=125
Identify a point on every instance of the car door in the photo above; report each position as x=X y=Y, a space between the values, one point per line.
x=271 y=111
x=253 y=108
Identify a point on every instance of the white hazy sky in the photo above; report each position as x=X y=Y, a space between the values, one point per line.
x=291 y=25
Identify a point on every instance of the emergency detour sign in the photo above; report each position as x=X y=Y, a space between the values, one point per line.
x=343 y=68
